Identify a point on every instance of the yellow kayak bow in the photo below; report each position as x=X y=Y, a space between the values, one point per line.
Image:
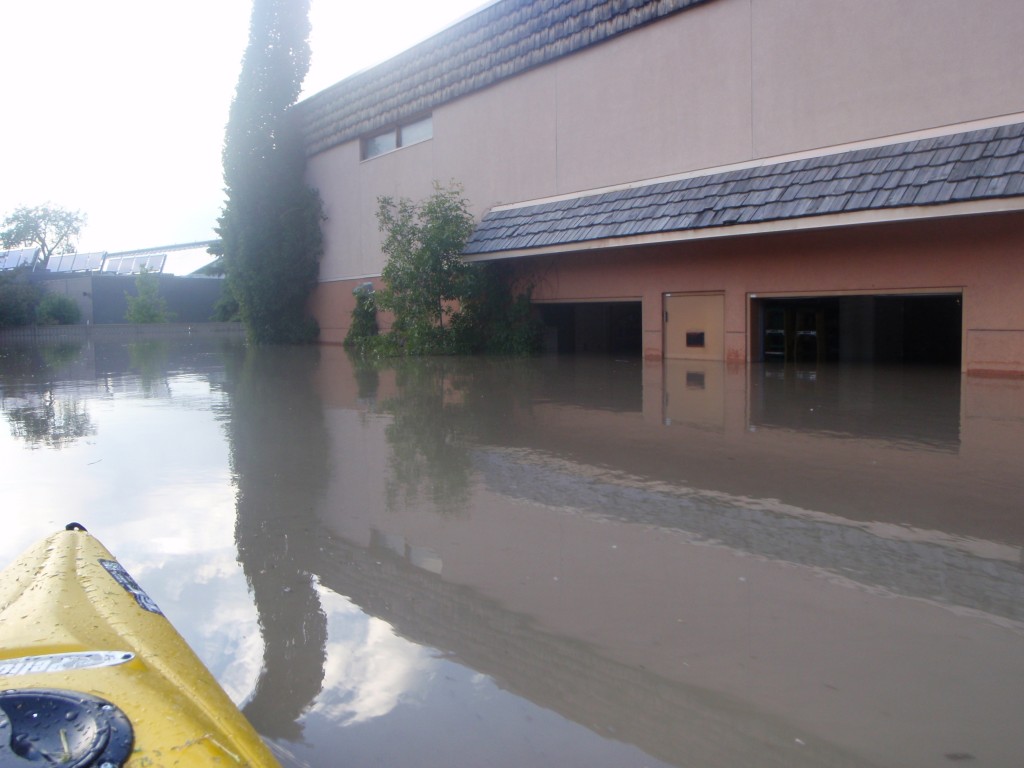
x=92 y=675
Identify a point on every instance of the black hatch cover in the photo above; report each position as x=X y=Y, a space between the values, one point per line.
x=65 y=728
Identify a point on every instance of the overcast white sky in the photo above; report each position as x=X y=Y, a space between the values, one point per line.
x=117 y=108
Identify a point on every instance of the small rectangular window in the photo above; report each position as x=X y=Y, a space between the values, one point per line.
x=402 y=136
x=413 y=133
x=695 y=339
x=379 y=144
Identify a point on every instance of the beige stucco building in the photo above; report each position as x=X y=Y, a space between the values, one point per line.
x=731 y=180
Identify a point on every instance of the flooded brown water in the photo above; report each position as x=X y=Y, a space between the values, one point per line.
x=560 y=561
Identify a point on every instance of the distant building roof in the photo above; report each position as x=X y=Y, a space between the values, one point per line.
x=184 y=258
x=968 y=167
x=198 y=245
x=495 y=43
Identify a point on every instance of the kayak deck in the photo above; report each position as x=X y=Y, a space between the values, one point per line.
x=73 y=619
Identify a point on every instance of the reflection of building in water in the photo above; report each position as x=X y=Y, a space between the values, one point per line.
x=667 y=719
x=917 y=405
x=746 y=582
x=982 y=576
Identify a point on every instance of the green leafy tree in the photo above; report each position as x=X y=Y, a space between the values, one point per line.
x=147 y=306
x=226 y=309
x=57 y=309
x=425 y=276
x=496 y=316
x=18 y=298
x=270 y=225
x=440 y=303
x=54 y=230
x=364 y=326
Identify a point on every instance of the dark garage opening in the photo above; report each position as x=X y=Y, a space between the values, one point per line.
x=598 y=327
x=918 y=328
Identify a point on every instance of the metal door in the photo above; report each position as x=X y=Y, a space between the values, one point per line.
x=694 y=326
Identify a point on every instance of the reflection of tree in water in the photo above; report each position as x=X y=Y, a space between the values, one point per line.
x=56 y=356
x=428 y=449
x=38 y=412
x=280 y=465
x=24 y=362
x=48 y=420
x=150 y=360
x=442 y=407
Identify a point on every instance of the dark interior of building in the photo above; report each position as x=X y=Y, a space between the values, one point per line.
x=599 y=327
x=883 y=328
x=924 y=329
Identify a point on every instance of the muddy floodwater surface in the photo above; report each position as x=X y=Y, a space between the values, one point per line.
x=554 y=561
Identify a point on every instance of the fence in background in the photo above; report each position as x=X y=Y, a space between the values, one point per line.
x=116 y=331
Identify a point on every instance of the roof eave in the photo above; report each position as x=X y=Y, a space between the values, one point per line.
x=827 y=221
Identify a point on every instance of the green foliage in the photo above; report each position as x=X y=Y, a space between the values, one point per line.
x=54 y=230
x=270 y=226
x=57 y=309
x=226 y=310
x=148 y=306
x=496 y=320
x=441 y=304
x=364 y=318
x=424 y=275
x=18 y=298
x=215 y=268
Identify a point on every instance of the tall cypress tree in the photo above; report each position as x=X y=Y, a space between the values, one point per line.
x=270 y=226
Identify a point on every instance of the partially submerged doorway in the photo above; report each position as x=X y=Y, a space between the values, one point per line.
x=924 y=328
x=593 y=327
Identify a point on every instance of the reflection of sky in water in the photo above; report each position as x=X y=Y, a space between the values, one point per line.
x=153 y=483
x=369 y=669
x=372 y=672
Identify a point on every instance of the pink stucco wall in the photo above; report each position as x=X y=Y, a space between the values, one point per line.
x=979 y=256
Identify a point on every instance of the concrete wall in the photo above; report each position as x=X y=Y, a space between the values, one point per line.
x=101 y=298
x=78 y=288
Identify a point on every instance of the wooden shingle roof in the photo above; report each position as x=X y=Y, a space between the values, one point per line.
x=500 y=41
x=963 y=167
